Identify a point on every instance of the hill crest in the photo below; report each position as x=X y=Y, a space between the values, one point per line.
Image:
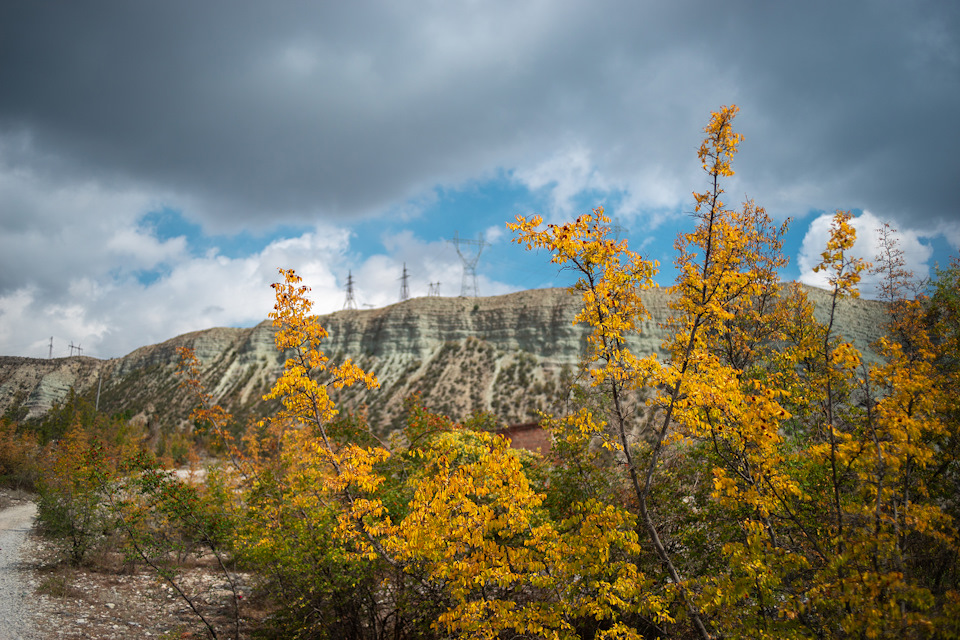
x=513 y=355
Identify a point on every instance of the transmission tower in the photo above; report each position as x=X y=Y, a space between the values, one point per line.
x=76 y=347
x=469 y=255
x=619 y=231
x=434 y=290
x=50 y=354
x=351 y=302
x=404 y=284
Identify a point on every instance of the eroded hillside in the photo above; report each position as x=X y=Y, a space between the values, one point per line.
x=511 y=355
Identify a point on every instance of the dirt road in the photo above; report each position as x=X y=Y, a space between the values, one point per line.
x=15 y=619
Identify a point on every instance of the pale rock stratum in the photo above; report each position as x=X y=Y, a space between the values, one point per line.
x=512 y=355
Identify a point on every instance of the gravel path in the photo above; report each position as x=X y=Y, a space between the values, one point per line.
x=15 y=594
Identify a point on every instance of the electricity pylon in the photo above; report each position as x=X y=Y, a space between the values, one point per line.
x=468 y=285
x=404 y=284
x=351 y=302
x=619 y=231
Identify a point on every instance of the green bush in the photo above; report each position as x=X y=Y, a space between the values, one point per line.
x=72 y=504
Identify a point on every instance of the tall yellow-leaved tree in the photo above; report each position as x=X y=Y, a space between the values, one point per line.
x=821 y=462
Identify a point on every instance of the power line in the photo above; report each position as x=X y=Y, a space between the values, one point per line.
x=468 y=285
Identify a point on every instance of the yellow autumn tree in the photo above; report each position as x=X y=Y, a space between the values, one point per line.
x=724 y=264
x=818 y=459
x=445 y=530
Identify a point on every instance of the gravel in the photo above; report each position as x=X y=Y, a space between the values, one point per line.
x=16 y=621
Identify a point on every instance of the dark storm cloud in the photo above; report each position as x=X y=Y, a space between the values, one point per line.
x=240 y=114
x=859 y=106
x=265 y=107
x=251 y=111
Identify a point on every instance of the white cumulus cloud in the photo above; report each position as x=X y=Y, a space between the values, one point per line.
x=916 y=252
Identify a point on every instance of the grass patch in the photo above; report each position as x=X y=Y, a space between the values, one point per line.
x=58 y=585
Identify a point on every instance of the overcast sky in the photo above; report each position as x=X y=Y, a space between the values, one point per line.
x=159 y=160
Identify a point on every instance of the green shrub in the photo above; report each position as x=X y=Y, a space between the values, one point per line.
x=72 y=501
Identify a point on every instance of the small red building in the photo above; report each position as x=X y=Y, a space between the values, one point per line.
x=529 y=435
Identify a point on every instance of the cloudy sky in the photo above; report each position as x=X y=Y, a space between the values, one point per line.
x=160 y=160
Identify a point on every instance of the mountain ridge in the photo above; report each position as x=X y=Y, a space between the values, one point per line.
x=513 y=355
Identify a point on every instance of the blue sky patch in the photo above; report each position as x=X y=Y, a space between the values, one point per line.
x=168 y=223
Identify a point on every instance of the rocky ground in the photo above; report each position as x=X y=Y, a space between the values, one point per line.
x=109 y=598
x=16 y=597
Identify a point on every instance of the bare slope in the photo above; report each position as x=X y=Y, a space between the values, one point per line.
x=512 y=355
